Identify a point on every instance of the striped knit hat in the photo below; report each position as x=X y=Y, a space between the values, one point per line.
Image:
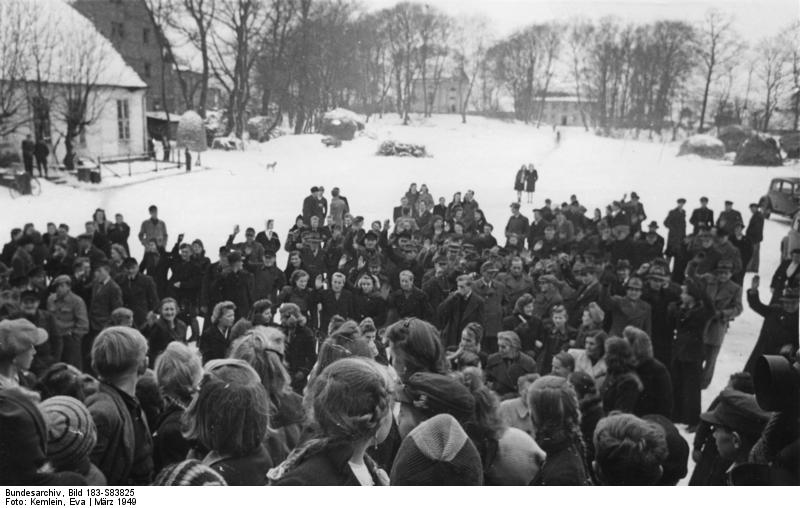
x=71 y=433
x=189 y=472
x=437 y=452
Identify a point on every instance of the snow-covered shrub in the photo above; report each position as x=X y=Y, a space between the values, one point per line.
x=703 y=145
x=192 y=132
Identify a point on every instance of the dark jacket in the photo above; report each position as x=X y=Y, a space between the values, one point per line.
x=502 y=374
x=237 y=287
x=662 y=335
x=456 y=312
x=300 y=354
x=676 y=224
x=343 y=306
x=370 y=306
x=656 y=396
x=267 y=282
x=414 y=304
x=702 y=217
x=115 y=450
x=169 y=445
x=565 y=465
x=329 y=468
x=156 y=266
x=49 y=352
x=160 y=334
x=755 y=228
x=105 y=298
x=779 y=329
x=213 y=344
x=249 y=470
x=272 y=243
x=621 y=392
x=139 y=295
x=689 y=325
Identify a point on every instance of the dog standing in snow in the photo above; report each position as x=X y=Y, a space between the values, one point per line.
x=271 y=166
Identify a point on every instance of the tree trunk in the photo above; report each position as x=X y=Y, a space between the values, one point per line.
x=705 y=95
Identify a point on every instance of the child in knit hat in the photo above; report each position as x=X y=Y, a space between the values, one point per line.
x=71 y=436
x=437 y=452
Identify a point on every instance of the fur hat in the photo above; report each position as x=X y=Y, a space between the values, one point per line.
x=437 y=452
x=71 y=433
x=189 y=473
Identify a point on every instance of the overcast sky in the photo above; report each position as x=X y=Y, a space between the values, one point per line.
x=754 y=19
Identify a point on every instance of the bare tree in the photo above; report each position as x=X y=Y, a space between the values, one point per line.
x=14 y=65
x=579 y=35
x=791 y=41
x=550 y=36
x=471 y=41
x=717 y=46
x=770 y=70
x=234 y=44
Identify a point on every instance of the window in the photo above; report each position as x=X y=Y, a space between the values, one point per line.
x=147 y=70
x=145 y=35
x=117 y=30
x=123 y=121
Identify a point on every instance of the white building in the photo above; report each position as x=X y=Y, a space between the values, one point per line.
x=564 y=111
x=64 y=57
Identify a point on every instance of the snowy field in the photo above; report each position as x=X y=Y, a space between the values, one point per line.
x=483 y=155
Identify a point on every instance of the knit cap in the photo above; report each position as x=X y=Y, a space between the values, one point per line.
x=189 y=473
x=437 y=452
x=71 y=432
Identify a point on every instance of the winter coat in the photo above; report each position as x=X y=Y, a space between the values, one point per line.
x=370 y=306
x=213 y=344
x=156 y=266
x=520 y=179
x=579 y=301
x=413 y=304
x=169 y=445
x=564 y=465
x=139 y=295
x=456 y=312
x=621 y=392
x=70 y=314
x=626 y=312
x=701 y=217
x=271 y=243
x=781 y=281
x=116 y=447
x=344 y=306
x=21 y=263
x=160 y=334
x=517 y=225
x=494 y=300
x=662 y=335
x=327 y=468
x=530 y=180
x=300 y=354
x=779 y=329
x=50 y=351
x=755 y=228
x=237 y=287
x=656 y=396
x=676 y=224
x=689 y=324
x=502 y=374
x=267 y=282
x=106 y=297
x=153 y=230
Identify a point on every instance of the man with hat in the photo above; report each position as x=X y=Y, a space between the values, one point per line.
x=268 y=279
x=494 y=297
x=650 y=247
x=726 y=296
x=702 y=217
x=312 y=255
x=49 y=352
x=738 y=422
x=19 y=339
x=628 y=310
x=439 y=286
x=676 y=224
x=548 y=296
x=727 y=251
x=755 y=233
x=729 y=217
x=59 y=262
x=517 y=223
x=619 y=215
x=251 y=250
x=71 y=319
x=236 y=285
x=787 y=275
x=312 y=206
x=704 y=252
x=779 y=332
x=742 y=244
x=186 y=278
x=516 y=281
x=462 y=307
x=588 y=291
x=660 y=292
x=635 y=211
x=138 y=291
x=22 y=261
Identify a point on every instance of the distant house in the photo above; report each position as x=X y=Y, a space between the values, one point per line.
x=115 y=95
x=129 y=27
x=564 y=110
x=446 y=97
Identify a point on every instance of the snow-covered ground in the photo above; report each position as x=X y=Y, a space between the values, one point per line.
x=483 y=155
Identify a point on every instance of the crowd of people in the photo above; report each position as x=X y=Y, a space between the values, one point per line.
x=432 y=349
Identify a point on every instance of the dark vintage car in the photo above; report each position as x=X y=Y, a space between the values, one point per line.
x=782 y=198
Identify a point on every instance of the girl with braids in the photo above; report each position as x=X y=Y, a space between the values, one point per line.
x=351 y=403
x=414 y=346
x=556 y=417
x=178 y=374
x=260 y=348
x=228 y=418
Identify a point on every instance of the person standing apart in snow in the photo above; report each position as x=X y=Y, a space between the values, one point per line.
x=703 y=217
x=530 y=182
x=519 y=181
x=676 y=224
x=28 y=147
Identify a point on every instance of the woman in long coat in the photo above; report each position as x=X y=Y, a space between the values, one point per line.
x=530 y=182
x=519 y=181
